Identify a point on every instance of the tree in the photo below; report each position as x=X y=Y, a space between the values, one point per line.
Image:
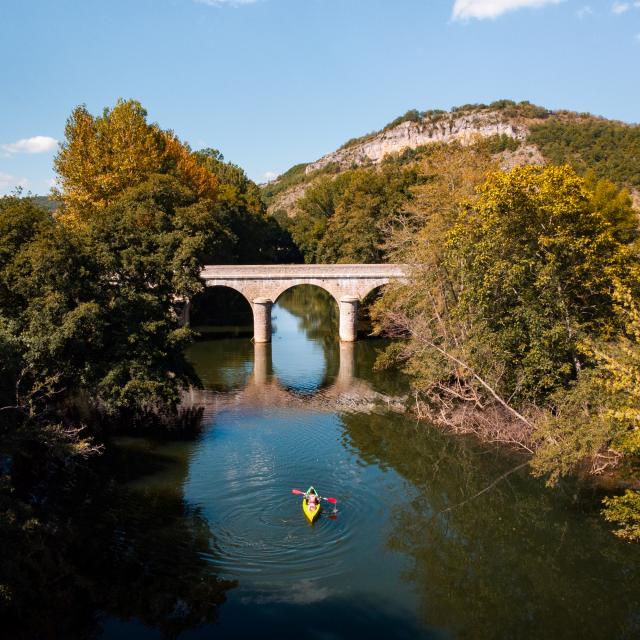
x=596 y=423
x=255 y=237
x=344 y=218
x=421 y=312
x=20 y=222
x=510 y=284
x=549 y=285
x=103 y=156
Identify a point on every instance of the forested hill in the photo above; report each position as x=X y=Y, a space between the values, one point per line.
x=514 y=133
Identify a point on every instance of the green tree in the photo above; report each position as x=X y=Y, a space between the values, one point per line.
x=255 y=237
x=345 y=218
x=549 y=284
x=596 y=422
x=510 y=286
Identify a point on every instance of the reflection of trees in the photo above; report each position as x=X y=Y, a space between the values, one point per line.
x=124 y=554
x=517 y=562
x=222 y=364
x=316 y=309
x=318 y=316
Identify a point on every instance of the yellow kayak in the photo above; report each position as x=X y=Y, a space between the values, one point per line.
x=311 y=513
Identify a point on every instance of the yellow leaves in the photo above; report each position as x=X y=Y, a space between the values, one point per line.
x=201 y=181
x=557 y=191
x=105 y=155
x=624 y=511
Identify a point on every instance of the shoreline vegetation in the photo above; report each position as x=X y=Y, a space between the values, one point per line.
x=520 y=322
x=91 y=342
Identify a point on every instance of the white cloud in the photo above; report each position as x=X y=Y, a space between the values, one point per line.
x=620 y=7
x=36 y=144
x=226 y=3
x=484 y=9
x=9 y=182
x=270 y=175
x=585 y=11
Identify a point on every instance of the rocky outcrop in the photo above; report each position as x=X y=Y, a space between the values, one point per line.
x=287 y=199
x=465 y=129
x=465 y=125
x=524 y=154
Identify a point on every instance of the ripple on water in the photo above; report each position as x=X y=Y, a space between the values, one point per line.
x=241 y=475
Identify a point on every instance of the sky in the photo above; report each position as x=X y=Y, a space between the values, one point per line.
x=272 y=83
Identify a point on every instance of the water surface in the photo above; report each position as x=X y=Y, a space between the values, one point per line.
x=405 y=555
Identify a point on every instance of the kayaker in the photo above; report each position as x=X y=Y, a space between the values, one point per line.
x=312 y=502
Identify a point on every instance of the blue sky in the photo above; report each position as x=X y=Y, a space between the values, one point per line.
x=275 y=82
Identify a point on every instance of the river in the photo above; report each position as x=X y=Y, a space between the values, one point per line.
x=230 y=554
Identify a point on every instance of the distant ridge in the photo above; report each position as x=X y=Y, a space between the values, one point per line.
x=516 y=133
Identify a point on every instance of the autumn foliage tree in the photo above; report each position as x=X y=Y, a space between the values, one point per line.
x=104 y=155
x=519 y=322
x=519 y=276
x=92 y=293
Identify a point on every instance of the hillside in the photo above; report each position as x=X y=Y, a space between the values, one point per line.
x=515 y=134
x=45 y=202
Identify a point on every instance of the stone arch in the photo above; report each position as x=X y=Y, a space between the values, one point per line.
x=317 y=313
x=288 y=286
x=349 y=284
x=366 y=288
x=198 y=313
x=230 y=285
x=365 y=323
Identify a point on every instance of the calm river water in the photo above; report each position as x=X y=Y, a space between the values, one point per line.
x=230 y=554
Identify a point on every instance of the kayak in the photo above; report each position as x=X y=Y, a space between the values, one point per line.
x=311 y=514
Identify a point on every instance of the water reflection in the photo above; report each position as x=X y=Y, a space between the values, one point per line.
x=267 y=388
x=518 y=562
x=127 y=559
x=193 y=524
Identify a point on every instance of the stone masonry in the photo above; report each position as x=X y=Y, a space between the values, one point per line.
x=261 y=285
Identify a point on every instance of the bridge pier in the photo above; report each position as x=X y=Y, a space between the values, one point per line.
x=185 y=315
x=262 y=320
x=349 y=318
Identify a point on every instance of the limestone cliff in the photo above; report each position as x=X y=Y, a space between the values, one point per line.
x=523 y=133
x=465 y=129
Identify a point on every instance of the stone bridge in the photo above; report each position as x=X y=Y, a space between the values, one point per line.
x=261 y=285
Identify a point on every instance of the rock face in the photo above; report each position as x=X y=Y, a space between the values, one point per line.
x=465 y=125
x=465 y=129
x=525 y=154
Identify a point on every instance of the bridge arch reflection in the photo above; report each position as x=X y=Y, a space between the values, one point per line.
x=263 y=390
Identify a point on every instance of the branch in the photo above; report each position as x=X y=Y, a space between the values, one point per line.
x=465 y=366
x=487 y=488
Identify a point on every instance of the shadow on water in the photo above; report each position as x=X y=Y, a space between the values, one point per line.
x=335 y=618
x=125 y=556
x=519 y=561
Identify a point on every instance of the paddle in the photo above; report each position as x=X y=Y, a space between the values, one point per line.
x=302 y=493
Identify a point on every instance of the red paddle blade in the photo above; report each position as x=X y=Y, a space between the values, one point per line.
x=297 y=491
x=331 y=500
